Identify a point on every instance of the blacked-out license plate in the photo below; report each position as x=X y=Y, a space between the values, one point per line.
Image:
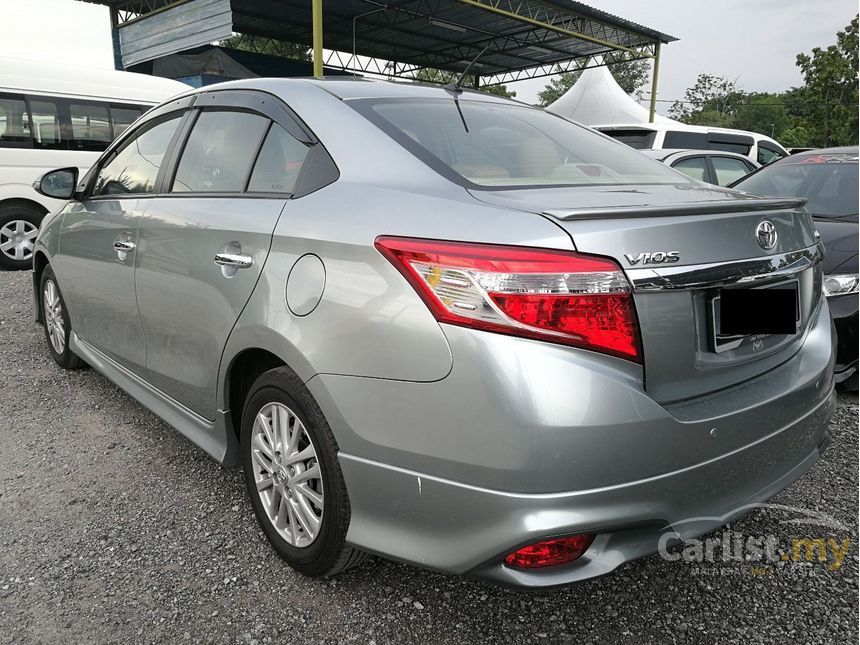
x=740 y=313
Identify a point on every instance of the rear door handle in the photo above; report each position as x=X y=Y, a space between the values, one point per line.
x=121 y=246
x=234 y=260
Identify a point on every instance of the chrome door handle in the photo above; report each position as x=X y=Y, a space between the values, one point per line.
x=123 y=247
x=235 y=260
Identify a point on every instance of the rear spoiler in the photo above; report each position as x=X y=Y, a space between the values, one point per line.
x=686 y=208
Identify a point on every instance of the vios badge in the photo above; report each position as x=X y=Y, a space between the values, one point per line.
x=654 y=257
x=766 y=235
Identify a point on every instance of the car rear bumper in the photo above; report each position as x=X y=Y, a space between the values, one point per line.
x=454 y=475
x=457 y=528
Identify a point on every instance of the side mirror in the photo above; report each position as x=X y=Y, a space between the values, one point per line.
x=58 y=184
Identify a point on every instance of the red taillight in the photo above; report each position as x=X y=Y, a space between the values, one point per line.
x=549 y=553
x=556 y=296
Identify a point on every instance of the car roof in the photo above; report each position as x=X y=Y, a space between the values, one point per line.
x=682 y=127
x=60 y=79
x=835 y=150
x=823 y=156
x=664 y=153
x=356 y=87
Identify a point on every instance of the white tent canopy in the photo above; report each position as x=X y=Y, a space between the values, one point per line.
x=597 y=99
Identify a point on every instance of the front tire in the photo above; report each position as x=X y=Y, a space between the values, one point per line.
x=293 y=477
x=19 y=226
x=58 y=328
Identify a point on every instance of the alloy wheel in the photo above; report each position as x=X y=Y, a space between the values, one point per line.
x=287 y=474
x=54 y=316
x=16 y=239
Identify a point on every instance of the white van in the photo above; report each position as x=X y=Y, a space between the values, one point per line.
x=53 y=116
x=658 y=136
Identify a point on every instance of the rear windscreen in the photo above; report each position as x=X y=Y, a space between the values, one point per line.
x=496 y=144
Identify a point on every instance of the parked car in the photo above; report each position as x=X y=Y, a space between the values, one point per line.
x=442 y=326
x=828 y=179
x=58 y=115
x=677 y=136
x=719 y=168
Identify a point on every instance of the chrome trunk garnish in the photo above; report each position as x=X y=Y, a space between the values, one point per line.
x=718 y=274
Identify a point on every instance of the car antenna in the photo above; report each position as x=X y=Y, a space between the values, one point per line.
x=457 y=86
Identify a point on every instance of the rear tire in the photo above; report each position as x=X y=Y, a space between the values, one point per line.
x=19 y=225
x=293 y=477
x=58 y=328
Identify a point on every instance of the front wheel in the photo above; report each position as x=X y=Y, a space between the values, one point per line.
x=293 y=477
x=57 y=325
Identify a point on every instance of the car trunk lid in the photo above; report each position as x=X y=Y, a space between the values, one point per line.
x=680 y=245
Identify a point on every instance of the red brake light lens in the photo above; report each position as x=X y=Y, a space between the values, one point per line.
x=550 y=553
x=556 y=296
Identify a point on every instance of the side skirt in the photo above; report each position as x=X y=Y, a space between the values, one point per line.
x=217 y=439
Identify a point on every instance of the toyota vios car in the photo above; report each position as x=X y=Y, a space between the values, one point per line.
x=441 y=326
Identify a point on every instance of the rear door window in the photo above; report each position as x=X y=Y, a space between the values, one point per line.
x=728 y=169
x=694 y=167
x=279 y=162
x=219 y=152
x=134 y=169
x=768 y=154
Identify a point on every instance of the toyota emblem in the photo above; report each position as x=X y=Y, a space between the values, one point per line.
x=765 y=234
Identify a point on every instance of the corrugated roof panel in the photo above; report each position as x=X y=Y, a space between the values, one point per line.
x=424 y=33
x=194 y=23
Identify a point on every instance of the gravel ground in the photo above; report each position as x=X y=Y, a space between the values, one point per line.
x=114 y=529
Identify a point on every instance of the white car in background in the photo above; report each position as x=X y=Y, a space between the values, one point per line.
x=718 y=168
x=658 y=136
x=53 y=115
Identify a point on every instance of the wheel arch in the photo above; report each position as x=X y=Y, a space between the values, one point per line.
x=40 y=261
x=242 y=371
x=24 y=202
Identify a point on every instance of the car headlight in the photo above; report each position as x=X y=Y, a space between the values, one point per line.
x=840 y=284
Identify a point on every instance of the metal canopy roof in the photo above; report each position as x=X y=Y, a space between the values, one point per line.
x=523 y=38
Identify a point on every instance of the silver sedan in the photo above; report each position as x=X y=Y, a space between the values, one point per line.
x=441 y=326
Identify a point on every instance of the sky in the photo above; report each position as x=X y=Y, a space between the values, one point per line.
x=753 y=42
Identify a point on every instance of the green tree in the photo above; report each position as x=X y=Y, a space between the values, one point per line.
x=762 y=112
x=796 y=136
x=830 y=77
x=270 y=46
x=431 y=75
x=712 y=100
x=630 y=75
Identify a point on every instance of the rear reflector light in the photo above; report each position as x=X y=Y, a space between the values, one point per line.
x=550 y=553
x=555 y=296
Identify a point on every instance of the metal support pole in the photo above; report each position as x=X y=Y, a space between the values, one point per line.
x=114 y=36
x=654 y=76
x=316 y=6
